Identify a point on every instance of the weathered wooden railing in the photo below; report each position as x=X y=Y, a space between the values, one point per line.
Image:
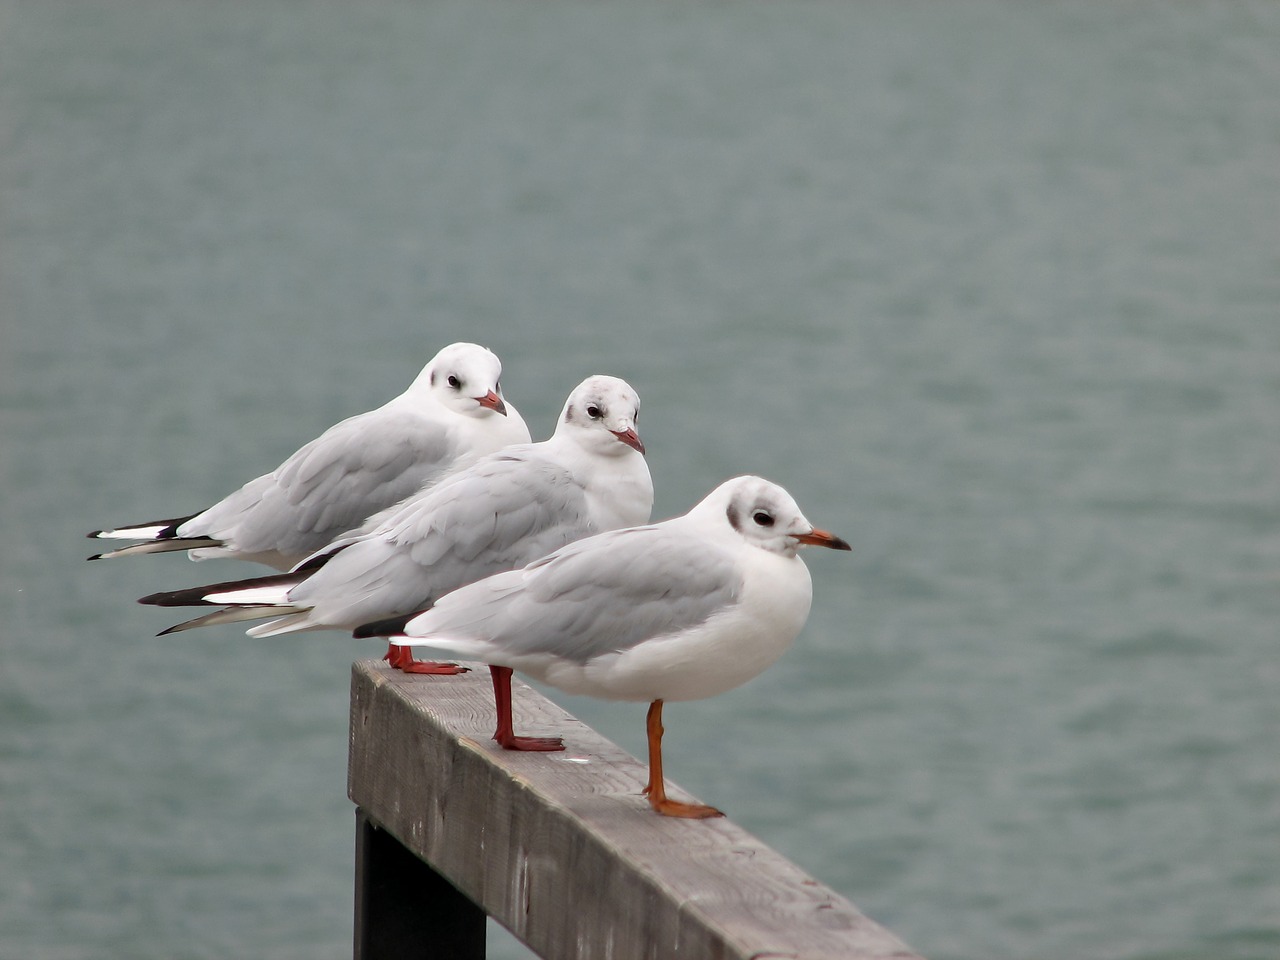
x=561 y=848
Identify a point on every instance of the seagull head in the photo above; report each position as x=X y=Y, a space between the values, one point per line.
x=600 y=415
x=765 y=516
x=466 y=378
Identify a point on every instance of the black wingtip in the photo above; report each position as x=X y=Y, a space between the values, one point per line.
x=180 y=598
x=314 y=563
x=390 y=627
x=168 y=528
x=195 y=596
x=96 y=556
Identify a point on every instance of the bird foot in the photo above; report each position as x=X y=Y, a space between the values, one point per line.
x=529 y=744
x=687 y=811
x=432 y=668
x=674 y=808
x=401 y=658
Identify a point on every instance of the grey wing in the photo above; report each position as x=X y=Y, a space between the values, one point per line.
x=356 y=468
x=504 y=512
x=499 y=514
x=606 y=594
x=224 y=519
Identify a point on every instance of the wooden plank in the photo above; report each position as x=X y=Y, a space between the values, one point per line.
x=563 y=850
x=405 y=909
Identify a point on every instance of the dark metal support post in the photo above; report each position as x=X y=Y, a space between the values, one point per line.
x=404 y=909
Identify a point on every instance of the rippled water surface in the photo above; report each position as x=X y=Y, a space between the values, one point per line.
x=992 y=288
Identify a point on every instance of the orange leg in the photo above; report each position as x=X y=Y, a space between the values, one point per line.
x=401 y=658
x=505 y=735
x=657 y=788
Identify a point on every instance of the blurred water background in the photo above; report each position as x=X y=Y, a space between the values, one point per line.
x=991 y=287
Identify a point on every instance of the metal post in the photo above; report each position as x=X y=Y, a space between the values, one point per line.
x=404 y=909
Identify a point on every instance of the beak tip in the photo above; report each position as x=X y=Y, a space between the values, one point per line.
x=822 y=538
x=631 y=439
x=493 y=402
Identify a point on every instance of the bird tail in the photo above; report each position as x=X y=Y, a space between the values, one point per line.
x=158 y=546
x=299 y=619
x=227 y=615
x=254 y=599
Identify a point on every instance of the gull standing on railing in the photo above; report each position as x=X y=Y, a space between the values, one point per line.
x=679 y=610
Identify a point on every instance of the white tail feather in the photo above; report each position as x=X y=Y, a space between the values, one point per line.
x=229 y=615
x=299 y=621
x=155 y=546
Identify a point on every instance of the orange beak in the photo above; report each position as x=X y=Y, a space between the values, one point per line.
x=630 y=438
x=820 y=538
x=493 y=402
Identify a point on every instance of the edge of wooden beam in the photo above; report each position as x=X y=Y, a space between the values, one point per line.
x=563 y=850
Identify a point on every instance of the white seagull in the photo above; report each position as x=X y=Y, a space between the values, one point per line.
x=502 y=512
x=452 y=413
x=679 y=610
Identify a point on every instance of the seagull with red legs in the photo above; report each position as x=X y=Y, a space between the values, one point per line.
x=452 y=414
x=679 y=610
x=502 y=512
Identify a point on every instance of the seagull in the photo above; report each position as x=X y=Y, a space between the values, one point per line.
x=502 y=512
x=452 y=413
x=679 y=610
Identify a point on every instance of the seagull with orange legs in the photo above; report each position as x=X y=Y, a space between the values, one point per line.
x=679 y=610
x=452 y=414
x=502 y=512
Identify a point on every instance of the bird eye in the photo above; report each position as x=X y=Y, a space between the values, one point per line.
x=762 y=518
x=594 y=412
x=454 y=382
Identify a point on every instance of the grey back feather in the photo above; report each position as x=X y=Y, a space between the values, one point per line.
x=331 y=484
x=594 y=597
x=507 y=510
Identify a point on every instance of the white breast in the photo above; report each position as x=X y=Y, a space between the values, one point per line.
x=619 y=492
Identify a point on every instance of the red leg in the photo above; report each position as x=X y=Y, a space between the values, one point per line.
x=401 y=658
x=657 y=788
x=505 y=734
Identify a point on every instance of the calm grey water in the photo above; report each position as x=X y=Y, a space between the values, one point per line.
x=991 y=287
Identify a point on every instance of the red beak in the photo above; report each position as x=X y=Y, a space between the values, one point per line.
x=493 y=402
x=820 y=538
x=630 y=438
